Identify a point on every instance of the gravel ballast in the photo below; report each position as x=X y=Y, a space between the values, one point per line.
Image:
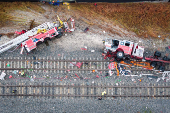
x=43 y=105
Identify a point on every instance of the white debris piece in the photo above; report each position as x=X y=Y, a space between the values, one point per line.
x=2 y=75
x=92 y=51
x=85 y=47
x=72 y=63
x=158 y=79
x=110 y=73
x=133 y=79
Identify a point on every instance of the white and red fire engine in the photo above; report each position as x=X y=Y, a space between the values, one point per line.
x=121 y=48
x=30 y=39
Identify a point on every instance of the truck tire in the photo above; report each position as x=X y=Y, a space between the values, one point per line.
x=46 y=39
x=119 y=54
x=38 y=43
x=161 y=68
x=60 y=34
x=157 y=54
x=153 y=64
x=165 y=58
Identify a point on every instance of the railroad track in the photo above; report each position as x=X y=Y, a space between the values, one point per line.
x=61 y=90
x=69 y=65
x=53 y=64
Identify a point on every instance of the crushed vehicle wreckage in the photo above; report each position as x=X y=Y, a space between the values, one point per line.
x=46 y=31
x=124 y=52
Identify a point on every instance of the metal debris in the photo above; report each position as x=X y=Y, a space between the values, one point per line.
x=3 y=74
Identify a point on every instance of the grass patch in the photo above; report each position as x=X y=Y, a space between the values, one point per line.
x=9 y=7
x=145 y=19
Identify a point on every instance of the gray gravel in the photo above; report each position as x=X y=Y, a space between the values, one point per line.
x=43 y=105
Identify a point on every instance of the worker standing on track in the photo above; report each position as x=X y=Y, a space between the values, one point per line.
x=103 y=94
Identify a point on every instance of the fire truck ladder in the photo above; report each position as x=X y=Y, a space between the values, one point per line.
x=18 y=40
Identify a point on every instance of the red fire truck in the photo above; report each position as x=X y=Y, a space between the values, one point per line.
x=123 y=50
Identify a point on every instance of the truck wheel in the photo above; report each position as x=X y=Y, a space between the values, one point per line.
x=153 y=64
x=165 y=58
x=161 y=68
x=38 y=43
x=46 y=39
x=59 y=35
x=157 y=54
x=120 y=54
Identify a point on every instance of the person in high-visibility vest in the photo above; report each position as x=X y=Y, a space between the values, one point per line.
x=103 y=93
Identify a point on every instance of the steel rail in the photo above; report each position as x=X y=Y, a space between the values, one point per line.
x=57 y=60
x=53 y=69
x=63 y=95
x=85 y=86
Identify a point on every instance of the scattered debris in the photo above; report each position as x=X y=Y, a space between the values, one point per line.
x=100 y=98
x=97 y=76
x=8 y=65
x=14 y=91
x=158 y=79
x=86 y=29
x=83 y=49
x=165 y=76
x=159 y=36
x=31 y=79
x=3 y=74
x=15 y=71
x=150 y=77
x=10 y=76
x=92 y=51
x=79 y=64
x=133 y=79
x=77 y=75
x=111 y=72
x=19 y=33
x=107 y=74
x=36 y=63
x=111 y=65
x=34 y=76
x=72 y=63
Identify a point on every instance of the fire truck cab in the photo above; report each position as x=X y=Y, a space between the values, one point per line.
x=123 y=48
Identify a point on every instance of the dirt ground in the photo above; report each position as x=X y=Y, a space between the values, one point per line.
x=78 y=39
